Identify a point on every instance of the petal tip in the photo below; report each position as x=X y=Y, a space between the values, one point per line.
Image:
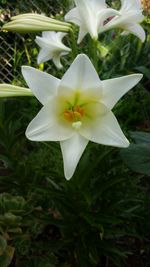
x=25 y=68
x=125 y=143
x=68 y=177
x=39 y=61
x=68 y=173
x=82 y=57
x=139 y=76
x=27 y=134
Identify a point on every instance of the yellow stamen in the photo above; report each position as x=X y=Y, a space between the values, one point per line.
x=69 y=115
x=146 y=4
x=74 y=114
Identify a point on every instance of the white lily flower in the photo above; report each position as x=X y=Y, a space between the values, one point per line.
x=51 y=47
x=128 y=19
x=77 y=109
x=87 y=15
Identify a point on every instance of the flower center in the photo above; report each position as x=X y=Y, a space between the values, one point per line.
x=77 y=109
x=74 y=114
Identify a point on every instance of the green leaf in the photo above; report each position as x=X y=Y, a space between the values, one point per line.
x=6 y=258
x=9 y=203
x=3 y=245
x=137 y=158
x=144 y=70
x=141 y=137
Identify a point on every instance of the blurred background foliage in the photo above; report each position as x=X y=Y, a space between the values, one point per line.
x=100 y=217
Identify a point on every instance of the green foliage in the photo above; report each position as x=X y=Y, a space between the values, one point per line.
x=95 y=218
x=137 y=156
x=6 y=253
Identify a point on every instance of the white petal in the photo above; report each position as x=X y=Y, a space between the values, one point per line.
x=131 y=5
x=98 y=4
x=46 y=126
x=137 y=30
x=56 y=60
x=43 y=85
x=123 y=21
x=105 y=14
x=72 y=150
x=64 y=53
x=73 y=16
x=49 y=34
x=49 y=45
x=130 y=17
x=105 y=130
x=114 y=89
x=82 y=33
x=61 y=35
x=81 y=76
x=87 y=12
x=43 y=56
x=43 y=42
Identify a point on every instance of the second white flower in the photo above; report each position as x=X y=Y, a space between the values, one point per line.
x=51 y=47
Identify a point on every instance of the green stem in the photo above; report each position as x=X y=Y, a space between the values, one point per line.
x=73 y=43
x=27 y=54
x=138 y=50
x=94 y=53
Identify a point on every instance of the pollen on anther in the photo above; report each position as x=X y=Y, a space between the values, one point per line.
x=69 y=115
x=74 y=114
